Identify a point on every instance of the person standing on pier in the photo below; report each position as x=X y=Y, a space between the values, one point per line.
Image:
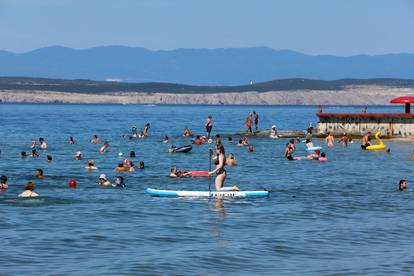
x=249 y=124
x=256 y=120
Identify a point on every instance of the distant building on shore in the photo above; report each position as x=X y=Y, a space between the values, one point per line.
x=357 y=124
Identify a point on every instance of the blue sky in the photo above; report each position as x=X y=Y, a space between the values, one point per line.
x=339 y=27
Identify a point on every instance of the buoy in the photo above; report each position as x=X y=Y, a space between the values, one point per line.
x=120 y=154
x=72 y=184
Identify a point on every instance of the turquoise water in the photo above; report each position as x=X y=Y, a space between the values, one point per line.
x=342 y=217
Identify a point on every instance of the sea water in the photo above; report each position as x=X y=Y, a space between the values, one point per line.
x=341 y=217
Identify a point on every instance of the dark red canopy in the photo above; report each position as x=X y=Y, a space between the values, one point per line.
x=404 y=100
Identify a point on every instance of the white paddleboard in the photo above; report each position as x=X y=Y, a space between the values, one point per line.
x=217 y=194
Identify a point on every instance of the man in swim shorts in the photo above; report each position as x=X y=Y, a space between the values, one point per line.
x=365 y=141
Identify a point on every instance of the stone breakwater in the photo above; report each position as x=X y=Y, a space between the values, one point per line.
x=361 y=95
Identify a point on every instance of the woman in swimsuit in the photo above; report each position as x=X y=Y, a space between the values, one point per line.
x=221 y=171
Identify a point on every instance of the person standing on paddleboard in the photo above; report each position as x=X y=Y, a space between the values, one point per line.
x=221 y=171
x=209 y=125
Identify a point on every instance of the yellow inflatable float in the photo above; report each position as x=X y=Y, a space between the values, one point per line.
x=380 y=146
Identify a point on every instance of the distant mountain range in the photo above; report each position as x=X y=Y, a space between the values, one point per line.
x=233 y=66
x=99 y=87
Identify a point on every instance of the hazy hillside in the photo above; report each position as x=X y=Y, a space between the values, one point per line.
x=88 y=86
x=199 y=66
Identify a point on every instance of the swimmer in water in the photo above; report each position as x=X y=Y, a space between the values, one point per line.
x=199 y=140
x=105 y=147
x=366 y=141
x=250 y=148
x=134 y=132
x=289 y=152
x=103 y=180
x=329 y=140
x=33 y=144
x=132 y=154
x=172 y=149
x=175 y=173
x=218 y=139
x=39 y=174
x=43 y=144
x=165 y=140
x=314 y=155
x=209 y=125
x=120 y=167
x=187 y=132
x=231 y=160
x=95 y=140
x=323 y=157
x=141 y=165
x=344 y=140
x=292 y=144
x=309 y=143
x=71 y=141
x=28 y=190
x=129 y=166
x=49 y=158
x=245 y=141
x=23 y=154
x=78 y=155
x=91 y=165
x=141 y=134
x=221 y=171
x=35 y=154
x=3 y=182
x=240 y=143
x=119 y=182
x=403 y=185
x=146 y=129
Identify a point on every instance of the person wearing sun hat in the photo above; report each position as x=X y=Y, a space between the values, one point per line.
x=103 y=180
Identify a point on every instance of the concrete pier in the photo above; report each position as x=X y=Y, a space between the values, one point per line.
x=390 y=125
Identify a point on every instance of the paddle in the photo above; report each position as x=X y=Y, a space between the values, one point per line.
x=210 y=154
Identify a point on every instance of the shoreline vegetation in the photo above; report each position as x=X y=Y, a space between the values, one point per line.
x=279 y=92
